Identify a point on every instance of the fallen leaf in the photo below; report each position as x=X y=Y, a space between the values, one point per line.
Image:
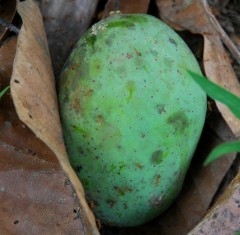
x=7 y=53
x=224 y=216
x=36 y=197
x=34 y=96
x=126 y=6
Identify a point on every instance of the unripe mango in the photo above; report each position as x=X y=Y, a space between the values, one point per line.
x=131 y=115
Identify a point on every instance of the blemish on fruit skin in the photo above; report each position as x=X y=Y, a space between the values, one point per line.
x=157 y=157
x=74 y=66
x=157 y=178
x=88 y=92
x=161 y=108
x=78 y=129
x=129 y=55
x=99 y=119
x=111 y=202
x=78 y=168
x=130 y=87
x=85 y=182
x=178 y=121
x=156 y=202
x=121 y=24
x=137 y=52
x=173 y=41
x=91 y=39
x=139 y=165
x=75 y=104
x=134 y=18
x=117 y=168
x=143 y=135
x=122 y=190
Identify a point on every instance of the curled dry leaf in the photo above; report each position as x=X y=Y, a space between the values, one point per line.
x=34 y=95
x=35 y=195
x=193 y=16
x=224 y=216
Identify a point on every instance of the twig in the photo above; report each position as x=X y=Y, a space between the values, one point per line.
x=9 y=26
x=224 y=37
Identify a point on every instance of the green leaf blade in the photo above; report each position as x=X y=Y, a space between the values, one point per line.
x=221 y=150
x=218 y=93
x=4 y=91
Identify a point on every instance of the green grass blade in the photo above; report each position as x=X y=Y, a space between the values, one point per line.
x=218 y=93
x=231 y=101
x=4 y=91
x=222 y=149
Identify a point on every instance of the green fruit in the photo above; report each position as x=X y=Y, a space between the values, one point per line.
x=132 y=116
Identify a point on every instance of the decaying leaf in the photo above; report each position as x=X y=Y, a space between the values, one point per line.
x=34 y=95
x=33 y=92
x=192 y=16
x=224 y=216
x=7 y=53
x=36 y=197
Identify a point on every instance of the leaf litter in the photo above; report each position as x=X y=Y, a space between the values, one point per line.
x=180 y=214
x=34 y=96
x=32 y=183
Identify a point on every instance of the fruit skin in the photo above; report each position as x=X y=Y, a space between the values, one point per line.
x=131 y=115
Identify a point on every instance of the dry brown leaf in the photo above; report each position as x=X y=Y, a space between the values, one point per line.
x=65 y=21
x=34 y=96
x=193 y=16
x=126 y=6
x=7 y=53
x=36 y=197
x=224 y=217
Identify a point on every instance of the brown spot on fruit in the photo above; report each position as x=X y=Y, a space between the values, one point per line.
x=129 y=55
x=160 y=108
x=122 y=190
x=157 y=179
x=137 y=52
x=173 y=42
x=88 y=92
x=157 y=157
x=139 y=165
x=99 y=119
x=178 y=121
x=111 y=202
